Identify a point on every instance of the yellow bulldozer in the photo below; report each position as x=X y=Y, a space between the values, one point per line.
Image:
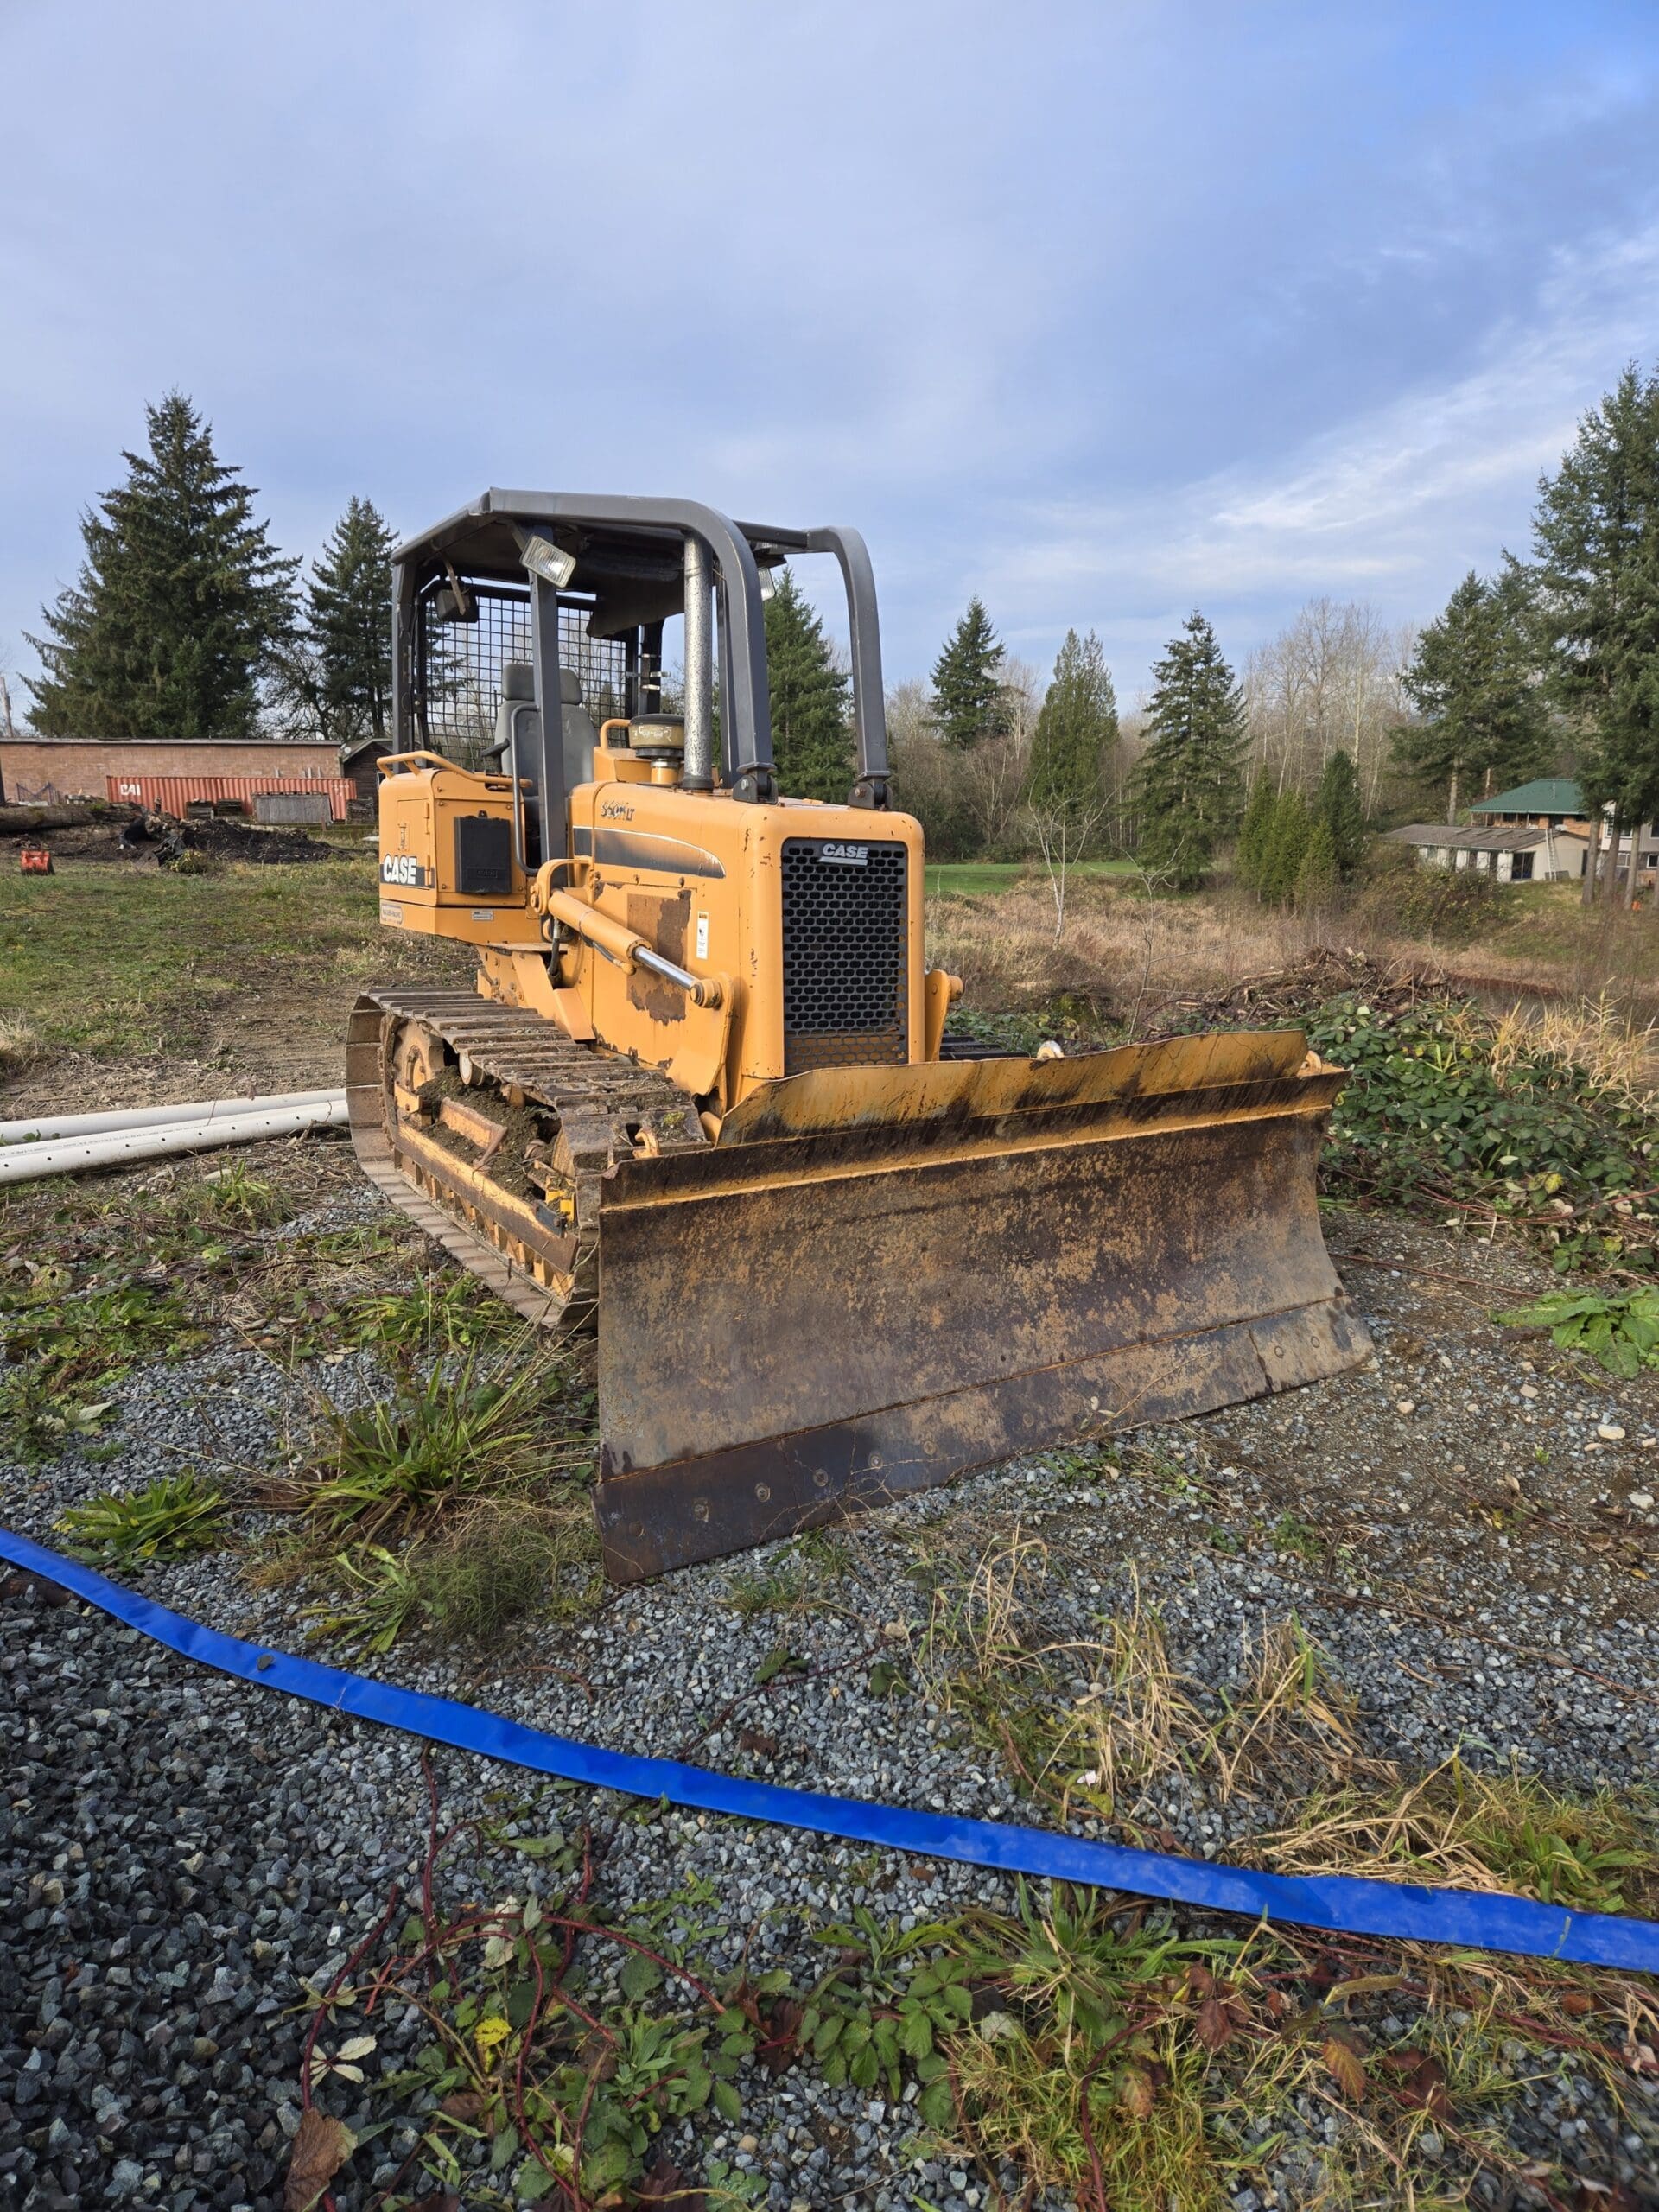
x=702 y=1100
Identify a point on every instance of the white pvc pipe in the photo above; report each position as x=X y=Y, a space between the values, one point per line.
x=25 y=1163
x=149 y=1117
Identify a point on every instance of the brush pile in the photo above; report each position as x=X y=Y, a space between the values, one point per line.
x=1298 y=992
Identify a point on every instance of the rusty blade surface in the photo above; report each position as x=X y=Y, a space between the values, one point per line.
x=828 y=1313
x=1136 y=1079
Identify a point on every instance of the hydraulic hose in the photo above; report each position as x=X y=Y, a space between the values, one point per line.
x=1402 y=1912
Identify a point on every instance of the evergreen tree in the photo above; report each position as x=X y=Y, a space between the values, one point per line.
x=1338 y=805
x=1076 y=731
x=1251 y=849
x=1189 y=787
x=967 y=690
x=1316 y=872
x=1474 y=683
x=348 y=622
x=1596 y=537
x=1283 y=849
x=181 y=601
x=811 y=743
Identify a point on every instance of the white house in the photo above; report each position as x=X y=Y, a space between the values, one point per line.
x=1538 y=853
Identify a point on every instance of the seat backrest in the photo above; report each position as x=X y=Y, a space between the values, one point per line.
x=577 y=732
x=580 y=739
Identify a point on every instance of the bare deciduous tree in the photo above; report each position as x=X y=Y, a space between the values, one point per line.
x=8 y=727
x=994 y=772
x=1330 y=678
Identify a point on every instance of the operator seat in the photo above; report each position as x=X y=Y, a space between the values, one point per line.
x=577 y=732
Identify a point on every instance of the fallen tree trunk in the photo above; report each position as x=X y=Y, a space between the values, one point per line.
x=20 y=820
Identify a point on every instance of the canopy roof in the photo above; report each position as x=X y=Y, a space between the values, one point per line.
x=1543 y=795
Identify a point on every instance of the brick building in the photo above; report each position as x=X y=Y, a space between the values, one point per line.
x=36 y=770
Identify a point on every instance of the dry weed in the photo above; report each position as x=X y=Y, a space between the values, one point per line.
x=19 y=1047
x=1598 y=1036
x=975 y=1630
x=1117 y=945
x=360 y=959
x=1136 y=1718
x=1462 y=1830
x=1292 y=1723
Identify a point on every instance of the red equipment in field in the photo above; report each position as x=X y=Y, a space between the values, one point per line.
x=35 y=860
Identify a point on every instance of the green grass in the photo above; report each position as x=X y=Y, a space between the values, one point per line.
x=116 y=961
x=61 y=1349
x=975 y=878
x=444 y=1441
x=458 y=1504
x=171 y=1518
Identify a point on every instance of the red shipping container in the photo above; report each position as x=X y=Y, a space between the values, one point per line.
x=172 y=794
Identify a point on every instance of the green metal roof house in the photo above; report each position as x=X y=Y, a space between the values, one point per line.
x=1548 y=801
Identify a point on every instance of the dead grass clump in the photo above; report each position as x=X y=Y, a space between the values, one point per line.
x=1116 y=943
x=1599 y=1036
x=1136 y=1719
x=20 y=1048
x=1293 y=1724
x=975 y=1635
x=1457 y=1828
x=1290 y=1729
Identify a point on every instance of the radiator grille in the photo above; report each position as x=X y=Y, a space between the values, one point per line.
x=846 y=957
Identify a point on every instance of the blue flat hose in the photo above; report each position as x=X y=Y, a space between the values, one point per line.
x=1400 y=1910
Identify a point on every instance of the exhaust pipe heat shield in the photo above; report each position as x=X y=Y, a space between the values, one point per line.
x=880 y=1277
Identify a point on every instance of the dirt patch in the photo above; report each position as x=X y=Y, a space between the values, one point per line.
x=129 y=836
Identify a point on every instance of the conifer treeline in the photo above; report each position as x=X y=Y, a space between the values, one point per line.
x=1294 y=853
x=185 y=620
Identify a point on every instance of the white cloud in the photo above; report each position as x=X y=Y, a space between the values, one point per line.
x=1391 y=505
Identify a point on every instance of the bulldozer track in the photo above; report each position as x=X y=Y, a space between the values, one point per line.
x=595 y=1107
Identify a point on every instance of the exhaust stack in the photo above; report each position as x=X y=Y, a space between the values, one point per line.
x=699 y=774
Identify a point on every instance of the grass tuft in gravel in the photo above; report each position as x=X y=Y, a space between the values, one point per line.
x=441 y=1442
x=506 y=1559
x=800 y=1579
x=1460 y=1828
x=443 y=1312
x=455 y=1505
x=172 y=1517
x=373 y=1598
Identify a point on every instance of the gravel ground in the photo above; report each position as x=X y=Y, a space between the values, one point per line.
x=1466 y=1531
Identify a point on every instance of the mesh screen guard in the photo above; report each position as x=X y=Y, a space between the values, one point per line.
x=458 y=667
x=845 y=954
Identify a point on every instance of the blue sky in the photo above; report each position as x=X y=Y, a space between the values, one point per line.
x=1105 y=311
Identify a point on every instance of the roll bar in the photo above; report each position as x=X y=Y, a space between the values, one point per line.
x=480 y=537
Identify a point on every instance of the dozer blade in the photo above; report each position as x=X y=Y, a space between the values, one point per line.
x=878 y=1277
